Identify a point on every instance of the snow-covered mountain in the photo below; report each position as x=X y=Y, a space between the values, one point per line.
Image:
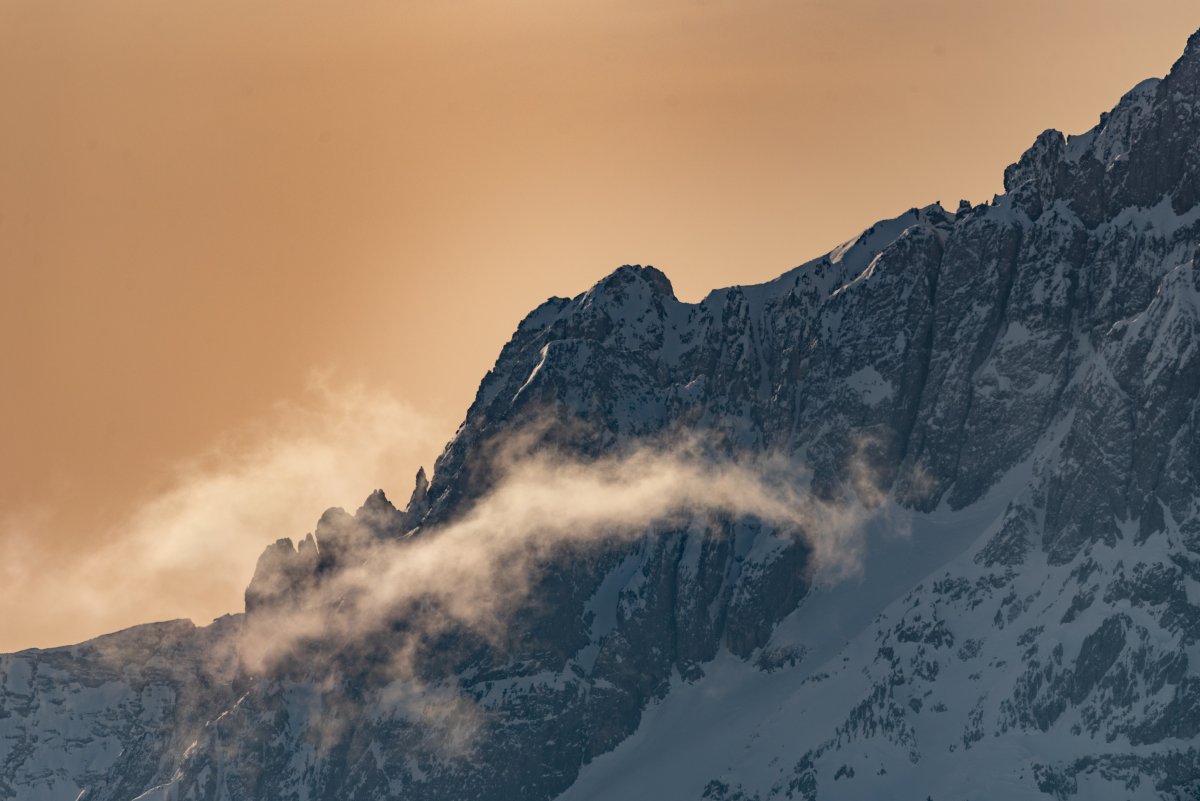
x=1021 y=382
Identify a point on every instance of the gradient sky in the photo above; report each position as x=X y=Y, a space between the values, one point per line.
x=257 y=249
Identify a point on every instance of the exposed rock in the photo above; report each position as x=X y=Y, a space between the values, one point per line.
x=1020 y=379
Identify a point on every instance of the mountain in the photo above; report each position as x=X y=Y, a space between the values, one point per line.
x=1012 y=393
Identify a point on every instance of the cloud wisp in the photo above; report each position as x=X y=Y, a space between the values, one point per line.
x=474 y=571
x=203 y=534
x=188 y=550
x=479 y=566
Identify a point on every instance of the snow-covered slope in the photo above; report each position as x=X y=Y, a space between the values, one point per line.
x=110 y=717
x=1018 y=381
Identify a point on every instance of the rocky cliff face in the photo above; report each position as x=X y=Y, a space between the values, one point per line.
x=1021 y=377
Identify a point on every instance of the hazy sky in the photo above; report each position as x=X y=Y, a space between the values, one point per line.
x=256 y=256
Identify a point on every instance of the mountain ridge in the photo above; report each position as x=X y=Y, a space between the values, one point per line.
x=1018 y=378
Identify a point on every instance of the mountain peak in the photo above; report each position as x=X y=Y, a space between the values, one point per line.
x=418 y=502
x=1037 y=164
x=628 y=274
x=376 y=503
x=1140 y=151
x=1191 y=53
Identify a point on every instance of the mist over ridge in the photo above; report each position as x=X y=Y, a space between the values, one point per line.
x=916 y=518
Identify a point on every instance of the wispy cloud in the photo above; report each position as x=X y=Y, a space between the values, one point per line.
x=189 y=550
x=478 y=567
x=199 y=540
x=542 y=505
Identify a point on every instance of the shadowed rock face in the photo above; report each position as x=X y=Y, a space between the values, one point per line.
x=1047 y=343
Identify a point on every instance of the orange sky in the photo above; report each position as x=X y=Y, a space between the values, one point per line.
x=205 y=204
